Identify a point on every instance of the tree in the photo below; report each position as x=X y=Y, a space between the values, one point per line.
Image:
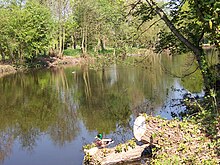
x=25 y=30
x=96 y=22
x=71 y=27
x=38 y=28
x=188 y=26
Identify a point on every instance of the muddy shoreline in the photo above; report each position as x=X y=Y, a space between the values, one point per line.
x=6 y=69
x=44 y=62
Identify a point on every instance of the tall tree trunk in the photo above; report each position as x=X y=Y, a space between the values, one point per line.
x=2 y=53
x=11 y=53
x=83 y=42
x=86 y=39
x=20 y=53
x=60 y=41
x=60 y=37
x=3 y=56
x=218 y=49
x=73 y=38
x=102 y=43
x=63 y=39
x=206 y=72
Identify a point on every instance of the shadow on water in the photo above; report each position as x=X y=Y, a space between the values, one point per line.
x=47 y=115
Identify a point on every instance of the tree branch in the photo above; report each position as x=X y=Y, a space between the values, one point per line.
x=200 y=14
x=185 y=75
x=149 y=26
x=133 y=6
x=171 y=26
x=200 y=37
x=145 y=20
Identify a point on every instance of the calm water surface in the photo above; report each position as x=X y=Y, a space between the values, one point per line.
x=48 y=115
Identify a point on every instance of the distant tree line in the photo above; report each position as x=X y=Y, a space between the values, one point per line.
x=33 y=28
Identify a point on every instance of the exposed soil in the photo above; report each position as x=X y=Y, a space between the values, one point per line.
x=66 y=60
x=6 y=69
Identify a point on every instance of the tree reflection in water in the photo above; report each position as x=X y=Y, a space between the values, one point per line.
x=6 y=142
x=34 y=104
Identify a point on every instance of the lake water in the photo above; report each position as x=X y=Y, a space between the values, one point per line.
x=48 y=115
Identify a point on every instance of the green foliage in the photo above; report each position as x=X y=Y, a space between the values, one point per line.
x=106 y=52
x=196 y=20
x=40 y=26
x=25 y=31
x=204 y=113
x=125 y=147
x=182 y=142
x=89 y=146
x=119 y=148
x=97 y=23
x=31 y=29
x=87 y=158
x=131 y=143
x=105 y=152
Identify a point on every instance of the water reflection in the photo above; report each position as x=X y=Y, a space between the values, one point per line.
x=59 y=110
x=6 y=142
x=32 y=104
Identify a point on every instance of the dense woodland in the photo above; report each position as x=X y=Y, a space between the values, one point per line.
x=34 y=28
x=39 y=28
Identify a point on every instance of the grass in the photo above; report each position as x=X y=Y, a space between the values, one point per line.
x=91 y=52
x=72 y=52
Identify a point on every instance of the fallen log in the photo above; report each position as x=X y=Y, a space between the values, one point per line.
x=108 y=156
x=176 y=142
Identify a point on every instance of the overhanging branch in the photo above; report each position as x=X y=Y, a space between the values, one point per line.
x=171 y=26
x=133 y=6
x=148 y=27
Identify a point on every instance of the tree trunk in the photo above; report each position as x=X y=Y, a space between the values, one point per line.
x=73 y=38
x=102 y=43
x=2 y=54
x=83 y=41
x=60 y=41
x=209 y=82
x=86 y=39
x=63 y=39
x=11 y=54
x=108 y=156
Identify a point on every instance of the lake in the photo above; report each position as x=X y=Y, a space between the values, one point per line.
x=48 y=115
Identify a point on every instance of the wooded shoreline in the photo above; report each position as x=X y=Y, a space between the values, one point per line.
x=46 y=62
